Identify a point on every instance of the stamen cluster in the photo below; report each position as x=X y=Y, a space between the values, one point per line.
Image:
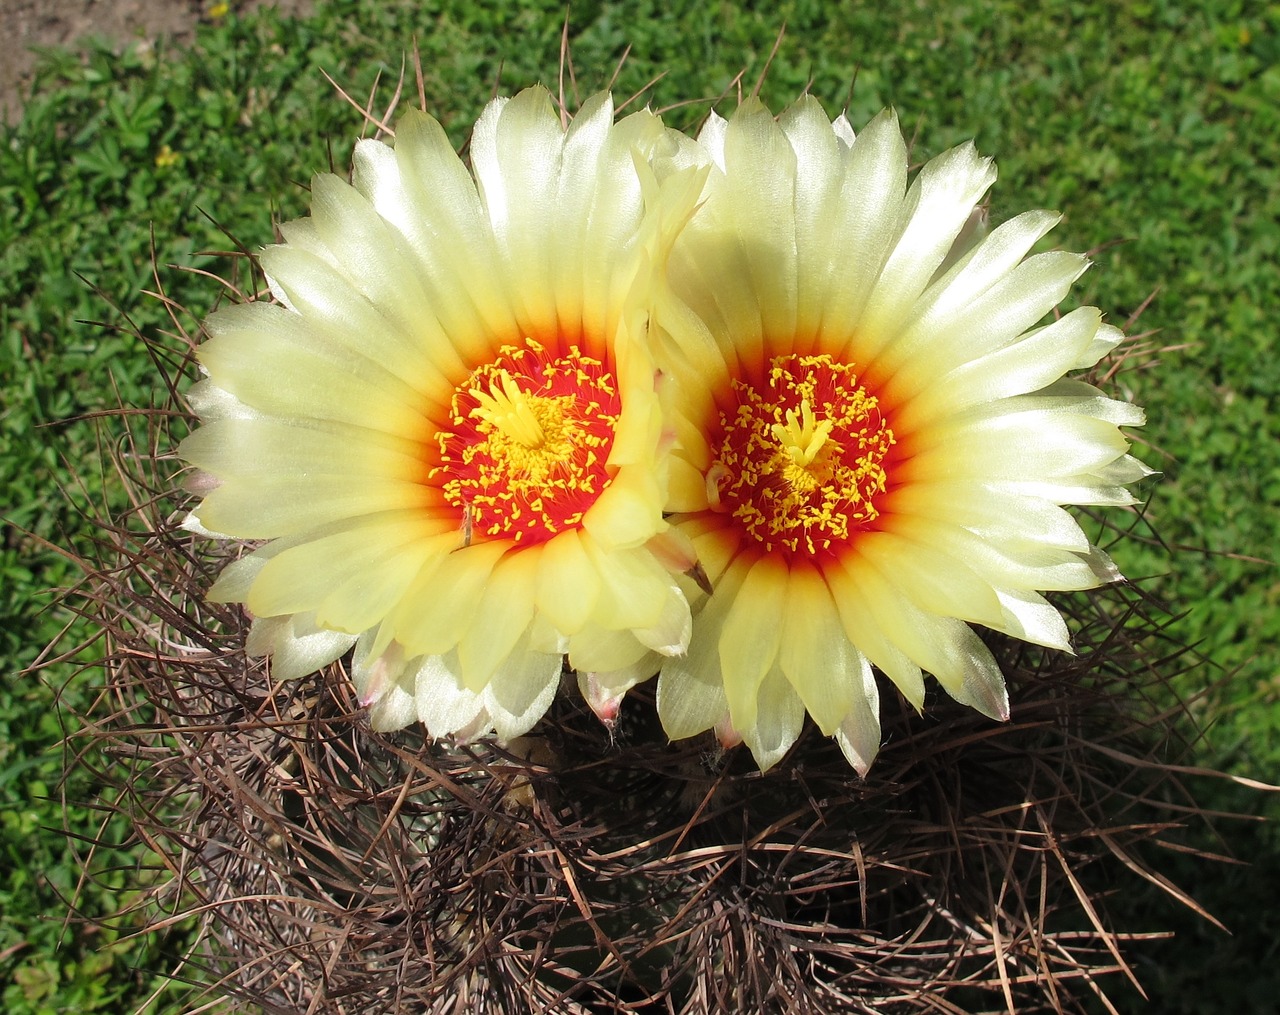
x=529 y=436
x=801 y=459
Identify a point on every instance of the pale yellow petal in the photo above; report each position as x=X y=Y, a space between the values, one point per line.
x=816 y=655
x=639 y=428
x=634 y=588
x=628 y=511
x=351 y=577
x=989 y=323
x=236 y=578
x=502 y=618
x=256 y=448
x=943 y=646
x=568 y=583
x=342 y=321
x=1035 y=360
x=295 y=644
x=855 y=587
x=937 y=205
x=443 y=704
x=992 y=512
x=691 y=688
x=381 y=265
x=212 y=403
x=284 y=364
x=779 y=719
x=431 y=199
x=934 y=579
x=516 y=153
x=669 y=634
x=443 y=601
x=282 y=505
x=686 y=487
x=859 y=733
x=598 y=649
x=819 y=173
x=717 y=543
x=760 y=174
x=751 y=636
x=875 y=181
x=1030 y=617
x=1015 y=445
x=521 y=689
x=983 y=266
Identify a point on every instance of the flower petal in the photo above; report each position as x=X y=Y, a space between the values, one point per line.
x=751 y=636
x=816 y=655
x=502 y=620
x=444 y=704
x=568 y=583
x=859 y=733
x=429 y=623
x=295 y=644
x=358 y=573
x=691 y=688
x=779 y=719
x=521 y=690
x=936 y=209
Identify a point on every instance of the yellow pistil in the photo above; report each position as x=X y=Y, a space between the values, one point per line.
x=511 y=411
x=802 y=436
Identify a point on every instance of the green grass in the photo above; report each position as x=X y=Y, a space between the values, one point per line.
x=1152 y=123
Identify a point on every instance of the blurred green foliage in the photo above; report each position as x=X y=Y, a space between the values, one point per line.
x=1151 y=123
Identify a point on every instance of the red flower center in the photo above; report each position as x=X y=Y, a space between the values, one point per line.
x=801 y=460
x=529 y=435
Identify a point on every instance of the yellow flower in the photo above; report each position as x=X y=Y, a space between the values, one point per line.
x=874 y=434
x=448 y=426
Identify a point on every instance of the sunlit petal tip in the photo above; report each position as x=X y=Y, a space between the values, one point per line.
x=1105 y=341
x=395 y=710
x=295 y=645
x=443 y=704
x=1103 y=567
x=779 y=719
x=985 y=691
x=859 y=741
x=521 y=690
x=712 y=136
x=670 y=634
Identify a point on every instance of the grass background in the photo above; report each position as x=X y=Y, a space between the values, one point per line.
x=1154 y=123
